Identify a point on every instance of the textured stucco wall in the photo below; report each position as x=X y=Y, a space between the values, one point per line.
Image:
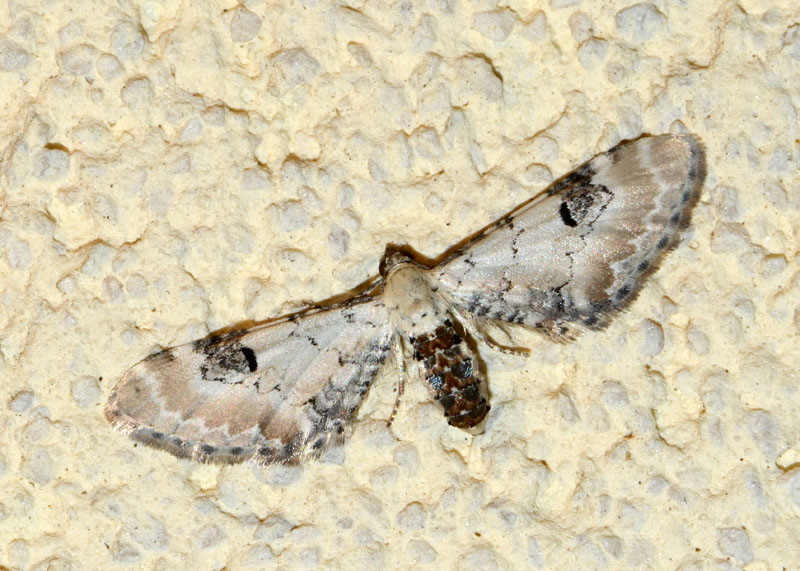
x=167 y=169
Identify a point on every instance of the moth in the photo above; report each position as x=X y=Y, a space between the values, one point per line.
x=565 y=261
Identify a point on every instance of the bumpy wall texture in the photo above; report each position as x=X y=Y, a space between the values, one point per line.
x=171 y=168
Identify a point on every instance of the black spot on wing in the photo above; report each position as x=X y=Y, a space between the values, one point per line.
x=250 y=356
x=566 y=216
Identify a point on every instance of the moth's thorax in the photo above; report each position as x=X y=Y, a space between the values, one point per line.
x=412 y=299
x=438 y=345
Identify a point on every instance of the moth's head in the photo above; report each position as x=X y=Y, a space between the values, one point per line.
x=394 y=256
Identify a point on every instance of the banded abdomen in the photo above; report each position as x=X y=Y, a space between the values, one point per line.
x=451 y=370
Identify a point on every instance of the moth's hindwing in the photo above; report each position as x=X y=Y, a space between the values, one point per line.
x=273 y=393
x=579 y=252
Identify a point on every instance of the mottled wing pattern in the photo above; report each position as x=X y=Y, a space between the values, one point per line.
x=567 y=259
x=580 y=251
x=273 y=393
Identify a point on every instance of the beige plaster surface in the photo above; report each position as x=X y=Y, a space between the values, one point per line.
x=171 y=168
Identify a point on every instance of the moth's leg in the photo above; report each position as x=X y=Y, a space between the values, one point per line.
x=401 y=381
x=558 y=332
x=516 y=351
x=477 y=327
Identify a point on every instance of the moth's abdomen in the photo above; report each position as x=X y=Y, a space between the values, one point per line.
x=451 y=370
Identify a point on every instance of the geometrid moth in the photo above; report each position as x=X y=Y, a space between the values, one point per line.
x=566 y=260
